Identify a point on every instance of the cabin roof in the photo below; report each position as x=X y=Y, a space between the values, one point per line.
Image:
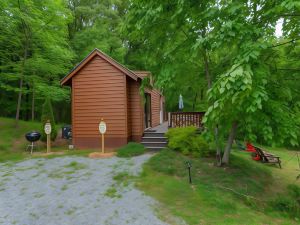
x=142 y=74
x=66 y=80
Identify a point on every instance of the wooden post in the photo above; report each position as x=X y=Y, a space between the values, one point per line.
x=48 y=143
x=102 y=143
x=47 y=130
x=102 y=130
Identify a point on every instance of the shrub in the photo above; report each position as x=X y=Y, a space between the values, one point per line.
x=47 y=114
x=131 y=149
x=188 y=141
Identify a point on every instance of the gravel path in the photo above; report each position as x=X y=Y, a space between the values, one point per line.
x=74 y=190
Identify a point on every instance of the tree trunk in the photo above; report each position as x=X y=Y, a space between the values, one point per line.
x=206 y=67
x=218 y=149
x=216 y=129
x=225 y=159
x=32 y=104
x=21 y=87
x=19 y=100
x=26 y=42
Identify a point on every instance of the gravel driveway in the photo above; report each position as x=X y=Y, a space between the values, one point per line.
x=74 y=190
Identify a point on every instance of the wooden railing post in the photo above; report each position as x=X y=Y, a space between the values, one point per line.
x=183 y=119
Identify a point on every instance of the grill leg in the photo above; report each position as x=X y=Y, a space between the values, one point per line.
x=31 y=148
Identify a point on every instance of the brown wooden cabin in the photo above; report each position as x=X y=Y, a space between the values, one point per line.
x=103 y=88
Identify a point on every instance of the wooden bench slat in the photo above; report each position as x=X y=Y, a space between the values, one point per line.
x=268 y=157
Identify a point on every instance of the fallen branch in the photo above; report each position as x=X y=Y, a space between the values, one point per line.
x=238 y=193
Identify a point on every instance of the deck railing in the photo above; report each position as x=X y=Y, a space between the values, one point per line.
x=183 y=119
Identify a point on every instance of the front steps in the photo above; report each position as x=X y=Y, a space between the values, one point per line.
x=154 y=141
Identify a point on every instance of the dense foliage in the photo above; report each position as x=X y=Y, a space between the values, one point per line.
x=236 y=60
x=233 y=47
x=188 y=141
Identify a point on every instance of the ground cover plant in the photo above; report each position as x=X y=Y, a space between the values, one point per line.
x=247 y=192
x=131 y=149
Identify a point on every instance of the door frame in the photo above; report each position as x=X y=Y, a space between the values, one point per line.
x=147 y=111
x=161 y=110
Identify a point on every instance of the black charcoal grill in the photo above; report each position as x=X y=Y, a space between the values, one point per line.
x=32 y=137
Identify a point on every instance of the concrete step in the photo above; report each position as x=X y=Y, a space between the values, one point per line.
x=154 y=144
x=153 y=134
x=154 y=139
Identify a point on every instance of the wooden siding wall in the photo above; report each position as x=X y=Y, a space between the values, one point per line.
x=99 y=91
x=135 y=111
x=155 y=108
x=129 y=113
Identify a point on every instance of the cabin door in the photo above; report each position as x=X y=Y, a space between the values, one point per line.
x=147 y=110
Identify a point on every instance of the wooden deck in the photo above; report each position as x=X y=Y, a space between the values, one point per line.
x=184 y=119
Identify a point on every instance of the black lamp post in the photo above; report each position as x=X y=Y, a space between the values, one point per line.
x=189 y=166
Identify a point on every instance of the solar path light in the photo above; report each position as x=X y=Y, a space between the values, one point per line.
x=189 y=166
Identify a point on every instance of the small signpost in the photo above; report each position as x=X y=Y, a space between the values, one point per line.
x=102 y=130
x=47 y=130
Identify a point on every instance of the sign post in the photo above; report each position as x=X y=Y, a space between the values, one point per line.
x=102 y=130
x=47 y=130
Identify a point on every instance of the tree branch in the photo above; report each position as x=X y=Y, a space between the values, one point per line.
x=284 y=43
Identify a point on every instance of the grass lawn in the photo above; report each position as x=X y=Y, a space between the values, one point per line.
x=12 y=138
x=13 y=142
x=131 y=149
x=217 y=195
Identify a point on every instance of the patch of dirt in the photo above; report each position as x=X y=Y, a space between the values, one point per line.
x=98 y=155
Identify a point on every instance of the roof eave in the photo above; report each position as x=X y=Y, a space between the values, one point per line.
x=64 y=81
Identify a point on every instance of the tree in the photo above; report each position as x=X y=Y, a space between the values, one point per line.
x=244 y=99
x=47 y=115
x=96 y=24
x=232 y=43
x=33 y=54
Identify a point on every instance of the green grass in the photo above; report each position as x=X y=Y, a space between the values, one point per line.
x=76 y=166
x=13 y=142
x=12 y=138
x=217 y=195
x=112 y=193
x=131 y=149
x=123 y=178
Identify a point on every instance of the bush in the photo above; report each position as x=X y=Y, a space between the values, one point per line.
x=131 y=149
x=47 y=114
x=188 y=141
